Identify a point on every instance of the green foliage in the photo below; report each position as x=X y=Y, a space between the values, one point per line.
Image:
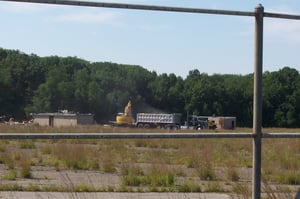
x=157 y=177
x=29 y=83
x=281 y=92
x=10 y=175
x=214 y=186
x=27 y=145
x=189 y=187
x=242 y=190
x=232 y=174
x=9 y=160
x=131 y=180
x=11 y=187
x=46 y=149
x=205 y=169
x=206 y=172
x=72 y=157
x=109 y=167
x=25 y=171
x=292 y=178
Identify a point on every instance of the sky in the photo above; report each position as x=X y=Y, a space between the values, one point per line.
x=164 y=42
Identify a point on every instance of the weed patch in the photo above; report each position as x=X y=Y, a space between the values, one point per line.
x=189 y=187
x=27 y=145
x=25 y=165
x=10 y=175
x=241 y=191
x=214 y=187
x=232 y=174
x=206 y=172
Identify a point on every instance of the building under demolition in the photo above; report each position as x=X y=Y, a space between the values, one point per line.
x=63 y=118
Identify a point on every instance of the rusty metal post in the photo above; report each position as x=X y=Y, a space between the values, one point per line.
x=257 y=102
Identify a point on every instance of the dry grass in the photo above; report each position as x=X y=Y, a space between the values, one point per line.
x=193 y=165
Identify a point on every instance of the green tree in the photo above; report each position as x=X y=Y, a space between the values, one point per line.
x=81 y=95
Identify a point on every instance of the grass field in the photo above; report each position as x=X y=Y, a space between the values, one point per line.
x=147 y=165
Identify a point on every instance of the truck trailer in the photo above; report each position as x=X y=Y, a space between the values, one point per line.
x=162 y=120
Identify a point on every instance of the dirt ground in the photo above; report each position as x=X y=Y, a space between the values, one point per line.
x=47 y=176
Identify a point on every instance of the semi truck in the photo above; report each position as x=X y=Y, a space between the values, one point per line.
x=199 y=122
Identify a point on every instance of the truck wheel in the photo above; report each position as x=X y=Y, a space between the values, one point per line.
x=141 y=126
x=147 y=126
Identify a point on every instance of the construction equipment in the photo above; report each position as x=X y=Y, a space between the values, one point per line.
x=211 y=124
x=147 y=120
x=162 y=120
x=125 y=119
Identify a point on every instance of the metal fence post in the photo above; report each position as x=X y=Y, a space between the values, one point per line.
x=257 y=101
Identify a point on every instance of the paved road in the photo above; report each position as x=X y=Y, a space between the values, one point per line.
x=108 y=195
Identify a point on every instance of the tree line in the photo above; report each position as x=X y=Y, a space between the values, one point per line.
x=33 y=84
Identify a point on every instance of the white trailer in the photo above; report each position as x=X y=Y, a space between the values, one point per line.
x=154 y=120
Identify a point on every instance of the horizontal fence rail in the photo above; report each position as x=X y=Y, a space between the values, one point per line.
x=136 y=7
x=282 y=16
x=156 y=8
x=140 y=135
x=280 y=135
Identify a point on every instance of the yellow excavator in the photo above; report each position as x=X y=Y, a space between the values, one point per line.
x=125 y=119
